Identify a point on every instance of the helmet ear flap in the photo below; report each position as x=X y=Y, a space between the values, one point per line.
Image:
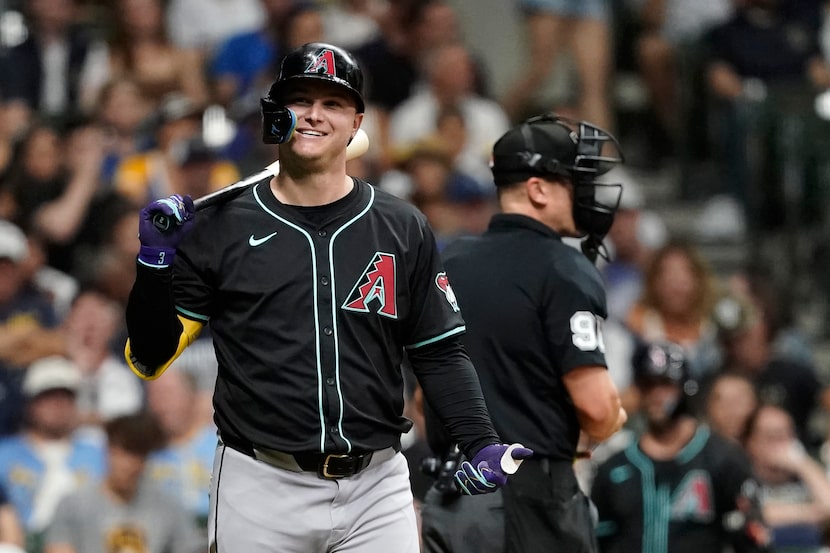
x=278 y=122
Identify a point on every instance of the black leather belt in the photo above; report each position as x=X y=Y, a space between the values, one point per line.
x=329 y=466
x=561 y=472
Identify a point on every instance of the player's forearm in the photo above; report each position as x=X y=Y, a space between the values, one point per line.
x=452 y=389
x=153 y=327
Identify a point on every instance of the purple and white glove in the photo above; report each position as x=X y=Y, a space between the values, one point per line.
x=490 y=467
x=161 y=226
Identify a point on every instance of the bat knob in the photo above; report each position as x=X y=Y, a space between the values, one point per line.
x=508 y=464
x=161 y=222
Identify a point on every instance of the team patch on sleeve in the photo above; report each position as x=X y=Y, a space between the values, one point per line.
x=443 y=284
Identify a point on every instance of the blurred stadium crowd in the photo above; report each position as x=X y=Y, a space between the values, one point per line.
x=108 y=104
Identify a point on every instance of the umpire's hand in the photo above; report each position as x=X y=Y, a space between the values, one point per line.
x=489 y=469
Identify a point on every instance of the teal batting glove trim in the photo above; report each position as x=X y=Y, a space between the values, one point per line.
x=472 y=481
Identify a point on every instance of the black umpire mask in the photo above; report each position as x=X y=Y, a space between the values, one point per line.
x=553 y=145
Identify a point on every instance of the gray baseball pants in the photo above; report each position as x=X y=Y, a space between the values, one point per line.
x=258 y=508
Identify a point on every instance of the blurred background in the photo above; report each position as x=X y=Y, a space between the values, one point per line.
x=721 y=243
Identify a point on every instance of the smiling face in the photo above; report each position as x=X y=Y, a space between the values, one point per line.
x=327 y=118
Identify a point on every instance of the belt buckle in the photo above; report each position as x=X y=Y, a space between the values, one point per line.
x=324 y=468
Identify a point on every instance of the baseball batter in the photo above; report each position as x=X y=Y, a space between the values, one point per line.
x=314 y=284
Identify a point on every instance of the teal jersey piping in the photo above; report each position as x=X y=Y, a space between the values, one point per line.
x=652 y=532
x=695 y=445
x=457 y=330
x=316 y=315
x=334 y=309
x=191 y=315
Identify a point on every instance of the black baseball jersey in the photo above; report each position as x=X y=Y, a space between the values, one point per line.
x=534 y=308
x=310 y=310
x=700 y=501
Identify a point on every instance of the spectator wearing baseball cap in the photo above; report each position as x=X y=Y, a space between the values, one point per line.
x=26 y=318
x=50 y=374
x=47 y=459
x=450 y=199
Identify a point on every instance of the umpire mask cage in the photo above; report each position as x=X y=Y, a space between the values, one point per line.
x=548 y=145
x=315 y=60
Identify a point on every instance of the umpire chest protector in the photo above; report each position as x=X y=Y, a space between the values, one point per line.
x=310 y=310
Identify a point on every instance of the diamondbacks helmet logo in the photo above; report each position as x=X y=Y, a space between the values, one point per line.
x=323 y=62
x=443 y=284
x=376 y=284
x=320 y=61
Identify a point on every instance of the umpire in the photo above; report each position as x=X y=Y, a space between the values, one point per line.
x=534 y=308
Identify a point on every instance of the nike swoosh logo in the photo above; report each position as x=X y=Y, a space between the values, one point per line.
x=254 y=242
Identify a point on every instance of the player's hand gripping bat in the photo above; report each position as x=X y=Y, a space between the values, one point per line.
x=356 y=148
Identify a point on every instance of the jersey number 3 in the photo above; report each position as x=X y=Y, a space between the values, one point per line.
x=586 y=331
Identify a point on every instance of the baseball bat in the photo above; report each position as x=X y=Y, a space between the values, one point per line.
x=356 y=148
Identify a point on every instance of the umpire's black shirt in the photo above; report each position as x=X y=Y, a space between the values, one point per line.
x=533 y=307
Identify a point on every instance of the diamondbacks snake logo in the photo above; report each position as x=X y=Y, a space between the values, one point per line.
x=376 y=286
x=323 y=63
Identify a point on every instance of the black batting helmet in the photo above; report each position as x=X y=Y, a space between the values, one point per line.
x=662 y=362
x=551 y=145
x=315 y=60
x=318 y=60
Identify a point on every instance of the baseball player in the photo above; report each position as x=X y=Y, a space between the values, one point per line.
x=534 y=308
x=314 y=284
x=680 y=487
